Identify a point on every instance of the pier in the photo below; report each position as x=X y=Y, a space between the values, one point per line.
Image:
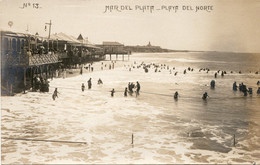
x=115 y=49
x=26 y=56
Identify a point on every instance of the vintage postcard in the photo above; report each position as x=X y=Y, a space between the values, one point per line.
x=130 y=81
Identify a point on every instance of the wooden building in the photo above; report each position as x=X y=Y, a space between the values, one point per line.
x=113 y=48
x=25 y=57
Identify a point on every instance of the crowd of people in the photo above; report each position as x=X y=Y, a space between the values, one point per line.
x=130 y=89
x=135 y=87
x=40 y=84
x=242 y=87
x=160 y=67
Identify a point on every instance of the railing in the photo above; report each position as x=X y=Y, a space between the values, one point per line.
x=13 y=58
x=62 y=55
x=40 y=59
x=115 y=52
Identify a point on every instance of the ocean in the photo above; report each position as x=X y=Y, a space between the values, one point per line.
x=37 y=129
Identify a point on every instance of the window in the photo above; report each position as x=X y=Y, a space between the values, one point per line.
x=10 y=44
x=14 y=48
x=5 y=44
x=18 y=45
x=22 y=44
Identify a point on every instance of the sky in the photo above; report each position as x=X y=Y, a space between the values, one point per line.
x=231 y=25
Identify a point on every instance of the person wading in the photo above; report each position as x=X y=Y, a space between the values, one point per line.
x=89 y=84
x=55 y=94
x=112 y=92
x=82 y=87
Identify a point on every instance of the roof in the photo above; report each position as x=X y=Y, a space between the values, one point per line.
x=15 y=31
x=64 y=37
x=107 y=43
x=80 y=37
x=19 y=34
x=86 y=43
x=60 y=36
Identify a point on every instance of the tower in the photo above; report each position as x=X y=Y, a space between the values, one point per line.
x=149 y=44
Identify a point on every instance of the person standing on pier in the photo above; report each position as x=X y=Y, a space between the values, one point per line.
x=89 y=84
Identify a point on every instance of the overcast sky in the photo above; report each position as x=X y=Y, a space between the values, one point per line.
x=232 y=25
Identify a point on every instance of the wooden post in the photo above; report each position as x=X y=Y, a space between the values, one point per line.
x=47 y=71
x=52 y=70
x=32 y=74
x=11 y=89
x=24 y=78
x=123 y=57
x=128 y=57
x=7 y=86
x=116 y=56
x=132 y=138
x=110 y=57
x=40 y=70
x=16 y=73
x=57 y=45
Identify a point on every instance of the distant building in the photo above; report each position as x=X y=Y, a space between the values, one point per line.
x=113 y=47
x=149 y=44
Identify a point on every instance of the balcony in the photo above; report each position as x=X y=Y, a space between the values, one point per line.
x=13 y=58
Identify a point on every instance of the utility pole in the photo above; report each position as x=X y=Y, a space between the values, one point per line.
x=49 y=28
x=49 y=33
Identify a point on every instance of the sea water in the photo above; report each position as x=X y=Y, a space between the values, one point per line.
x=187 y=130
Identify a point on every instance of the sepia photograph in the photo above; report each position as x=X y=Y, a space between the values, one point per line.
x=130 y=81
